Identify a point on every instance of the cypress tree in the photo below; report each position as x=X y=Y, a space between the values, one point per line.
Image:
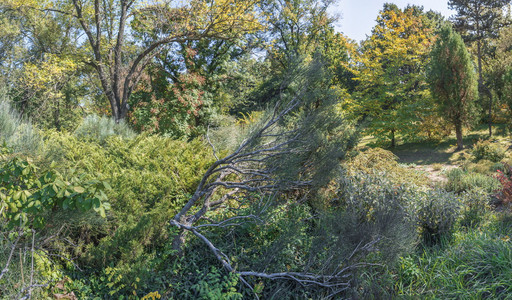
x=453 y=81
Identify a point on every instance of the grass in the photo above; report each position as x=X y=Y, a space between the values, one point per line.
x=476 y=265
x=477 y=262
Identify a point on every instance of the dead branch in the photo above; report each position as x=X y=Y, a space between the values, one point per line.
x=337 y=282
x=13 y=246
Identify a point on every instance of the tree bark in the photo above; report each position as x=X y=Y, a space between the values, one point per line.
x=490 y=115
x=178 y=242
x=393 y=139
x=458 y=133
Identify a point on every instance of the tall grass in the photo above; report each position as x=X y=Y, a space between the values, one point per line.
x=476 y=265
x=17 y=133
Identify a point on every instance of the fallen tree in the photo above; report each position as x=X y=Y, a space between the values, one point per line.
x=295 y=151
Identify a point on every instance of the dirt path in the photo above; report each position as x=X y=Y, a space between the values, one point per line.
x=435 y=174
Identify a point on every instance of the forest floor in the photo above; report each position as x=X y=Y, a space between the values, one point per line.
x=438 y=156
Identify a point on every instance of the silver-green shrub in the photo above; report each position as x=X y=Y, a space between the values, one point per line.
x=16 y=133
x=460 y=180
x=99 y=129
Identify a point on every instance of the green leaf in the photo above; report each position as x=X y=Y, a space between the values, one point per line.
x=79 y=189
x=106 y=185
x=102 y=212
x=65 y=203
x=96 y=202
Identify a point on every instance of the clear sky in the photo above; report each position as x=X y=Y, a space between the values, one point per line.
x=357 y=17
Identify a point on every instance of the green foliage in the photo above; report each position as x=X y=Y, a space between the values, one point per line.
x=28 y=199
x=485 y=149
x=475 y=207
x=476 y=265
x=393 y=96
x=151 y=177
x=216 y=285
x=452 y=79
x=380 y=162
x=437 y=213
x=180 y=110
x=98 y=129
x=312 y=129
x=460 y=180
x=376 y=204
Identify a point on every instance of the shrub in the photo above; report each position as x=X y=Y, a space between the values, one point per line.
x=100 y=128
x=151 y=177
x=460 y=181
x=485 y=149
x=16 y=133
x=380 y=162
x=475 y=206
x=381 y=209
x=483 y=166
x=436 y=216
x=504 y=195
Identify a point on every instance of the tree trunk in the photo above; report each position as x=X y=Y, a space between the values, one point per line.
x=393 y=140
x=490 y=114
x=178 y=241
x=458 y=133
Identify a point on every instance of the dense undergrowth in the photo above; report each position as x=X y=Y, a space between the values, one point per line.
x=399 y=235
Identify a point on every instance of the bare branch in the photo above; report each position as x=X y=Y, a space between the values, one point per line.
x=210 y=142
x=13 y=246
x=226 y=223
x=337 y=282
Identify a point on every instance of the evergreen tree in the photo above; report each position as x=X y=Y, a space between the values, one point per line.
x=478 y=20
x=452 y=79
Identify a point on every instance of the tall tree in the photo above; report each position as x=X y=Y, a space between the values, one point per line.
x=391 y=73
x=41 y=66
x=452 y=79
x=123 y=36
x=499 y=67
x=294 y=27
x=478 y=20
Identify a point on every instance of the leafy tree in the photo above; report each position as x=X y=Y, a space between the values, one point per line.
x=452 y=79
x=478 y=20
x=184 y=90
x=392 y=89
x=297 y=29
x=42 y=72
x=123 y=37
x=294 y=27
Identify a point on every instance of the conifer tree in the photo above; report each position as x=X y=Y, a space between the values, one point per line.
x=452 y=79
x=476 y=21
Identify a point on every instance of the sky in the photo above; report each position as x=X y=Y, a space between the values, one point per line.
x=357 y=17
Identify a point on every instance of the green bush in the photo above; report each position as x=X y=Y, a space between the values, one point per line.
x=380 y=162
x=475 y=207
x=437 y=214
x=98 y=129
x=485 y=149
x=151 y=177
x=460 y=180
